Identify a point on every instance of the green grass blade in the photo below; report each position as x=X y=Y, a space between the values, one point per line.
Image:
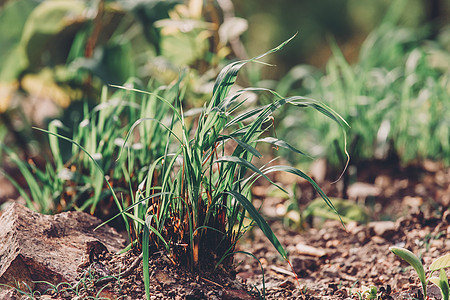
x=283 y=144
x=152 y=94
x=299 y=173
x=259 y=220
x=245 y=116
x=245 y=146
x=36 y=191
x=156 y=232
x=228 y=74
x=136 y=123
x=249 y=165
x=145 y=259
x=54 y=143
x=116 y=200
x=19 y=188
x=125 y=211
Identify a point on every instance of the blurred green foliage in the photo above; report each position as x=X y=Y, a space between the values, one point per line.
x=347 y=21
x=391 y=86
x=395 y=97
x=55 y=54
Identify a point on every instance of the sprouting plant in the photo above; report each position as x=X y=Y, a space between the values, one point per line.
x=24 y=289
x=439 y=264
x=371 y=293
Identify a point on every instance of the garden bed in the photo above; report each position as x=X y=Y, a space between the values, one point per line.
x=332 y=262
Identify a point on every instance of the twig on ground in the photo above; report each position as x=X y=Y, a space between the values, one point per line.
x=125 y=273
x=212 y=282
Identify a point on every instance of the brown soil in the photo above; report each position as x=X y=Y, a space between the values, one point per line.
x=340 y=263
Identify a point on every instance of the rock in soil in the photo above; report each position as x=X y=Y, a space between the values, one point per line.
x=36 y=247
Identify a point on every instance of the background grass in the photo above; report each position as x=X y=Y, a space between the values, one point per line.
x=394 y=97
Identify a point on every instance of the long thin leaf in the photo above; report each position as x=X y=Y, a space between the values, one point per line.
x=228 y=74
x=299 y=173
x=283 y=144
x=145 y=259
x=249 y=165
x=259 y=220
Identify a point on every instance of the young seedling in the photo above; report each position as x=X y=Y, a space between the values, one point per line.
x=440 y=264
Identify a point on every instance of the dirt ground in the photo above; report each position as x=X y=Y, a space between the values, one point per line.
x=407 y=207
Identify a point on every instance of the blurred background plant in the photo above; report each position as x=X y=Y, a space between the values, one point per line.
x=55 y=53
x=395 y=96
x=58 y=56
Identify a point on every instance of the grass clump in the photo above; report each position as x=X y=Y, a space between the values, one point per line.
x=205 y=178
x=189 y=180
x=70 y=178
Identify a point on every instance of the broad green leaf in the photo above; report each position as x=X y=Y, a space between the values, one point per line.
x=435 y=280
x=442 y=262
x=414 y=261
x=43 y=84
x=443 y=280
x=184 y=48
x=442 y=283
x=48 y=19
x=13 y=16
x=112 y=63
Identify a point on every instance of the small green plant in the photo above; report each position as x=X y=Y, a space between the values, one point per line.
x=373 y=292
x=440 y=264
x=23 y=289
x=86 y=287
x=370 y=293
x=203 y=196
x=70 y=178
